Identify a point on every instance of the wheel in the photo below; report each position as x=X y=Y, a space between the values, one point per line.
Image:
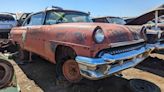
x=6 y=74
x=71 y=71
x=138 y=85
x=68 y=70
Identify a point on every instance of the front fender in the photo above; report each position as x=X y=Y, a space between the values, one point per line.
x=78 y=48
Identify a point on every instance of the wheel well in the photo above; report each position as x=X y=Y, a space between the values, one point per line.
x=63 y=53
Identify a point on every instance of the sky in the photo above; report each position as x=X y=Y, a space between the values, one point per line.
x=121 y=8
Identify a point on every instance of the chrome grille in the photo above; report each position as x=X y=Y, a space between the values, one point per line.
x=125 y=50
x=121 y=49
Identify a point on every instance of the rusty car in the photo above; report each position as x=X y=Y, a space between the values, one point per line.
x=79 y=47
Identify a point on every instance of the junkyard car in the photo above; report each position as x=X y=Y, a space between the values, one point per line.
x=7 y=21
x=109 y=19
x=154 y=24
x=155 y=35
x=79 y=47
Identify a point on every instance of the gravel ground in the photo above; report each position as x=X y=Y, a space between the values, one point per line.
x=39 y=76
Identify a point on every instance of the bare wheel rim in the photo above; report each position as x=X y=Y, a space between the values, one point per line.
x=71 y=71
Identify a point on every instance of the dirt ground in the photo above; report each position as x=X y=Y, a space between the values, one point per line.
x=39 y=76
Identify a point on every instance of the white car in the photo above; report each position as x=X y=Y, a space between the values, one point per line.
x=7 y=21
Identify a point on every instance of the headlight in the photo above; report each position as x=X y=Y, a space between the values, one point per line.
x=99 y=35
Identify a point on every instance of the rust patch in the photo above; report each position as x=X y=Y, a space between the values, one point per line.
x=53 y=46
x=80 y=38
x=118 y=36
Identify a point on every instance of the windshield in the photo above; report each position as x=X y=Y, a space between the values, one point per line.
x=66 y=17
x=115 y=20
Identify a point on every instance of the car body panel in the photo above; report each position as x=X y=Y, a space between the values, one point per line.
x=77 y=35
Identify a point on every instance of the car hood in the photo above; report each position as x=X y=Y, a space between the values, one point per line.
x=82 y=33
x=121 y=33
x=113 y=32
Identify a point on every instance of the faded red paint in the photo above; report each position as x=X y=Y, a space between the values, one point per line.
x=78 y=36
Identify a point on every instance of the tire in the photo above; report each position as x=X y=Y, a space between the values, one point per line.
x=63 y=56
x=138 y=85
x=71 y=71
x=7 y=73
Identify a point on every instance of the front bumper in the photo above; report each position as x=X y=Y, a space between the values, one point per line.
x=97 y=68
x=157 y=46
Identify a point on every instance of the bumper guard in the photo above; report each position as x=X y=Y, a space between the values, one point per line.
x=106 y=65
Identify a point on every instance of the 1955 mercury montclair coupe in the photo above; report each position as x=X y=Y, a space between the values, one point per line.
x=79 y=47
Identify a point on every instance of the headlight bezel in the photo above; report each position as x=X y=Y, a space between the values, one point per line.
x=98 y=35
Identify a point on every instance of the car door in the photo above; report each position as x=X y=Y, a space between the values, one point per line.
x=34 y=36
x=52 y=18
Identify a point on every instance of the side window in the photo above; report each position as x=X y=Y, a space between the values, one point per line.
x=52 y=17
x=36 y=19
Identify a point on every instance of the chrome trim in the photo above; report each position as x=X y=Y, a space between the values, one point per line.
x=129 y=59
x=157 y=46
x=126 y=43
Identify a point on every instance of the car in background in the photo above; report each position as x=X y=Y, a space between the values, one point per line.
x=10 y=20
x=21 y=18
x=7 y=22
x=78 y=46
x=153 y=22
x=110 y=19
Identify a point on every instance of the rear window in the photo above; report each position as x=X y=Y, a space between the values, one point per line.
x=5 y=17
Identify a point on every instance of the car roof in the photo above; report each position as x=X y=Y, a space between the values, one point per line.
x=60 y=10
x=7 y=13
